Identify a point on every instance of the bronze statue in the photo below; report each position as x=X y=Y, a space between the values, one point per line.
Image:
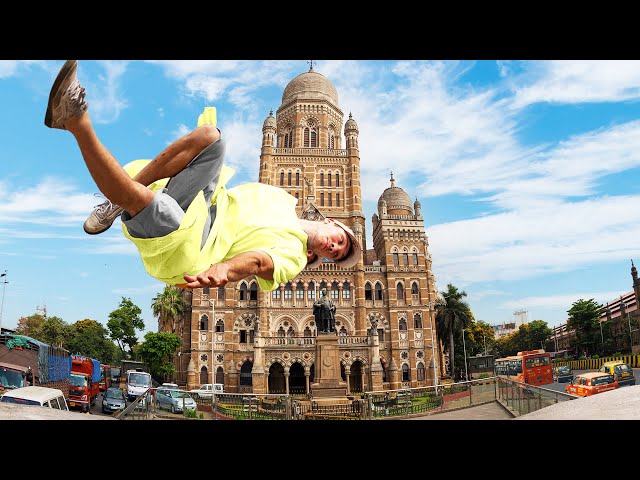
x=324 y=312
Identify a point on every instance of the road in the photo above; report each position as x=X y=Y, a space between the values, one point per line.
x=560 y=387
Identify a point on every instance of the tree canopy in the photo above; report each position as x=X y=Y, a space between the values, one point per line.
x=123 y=323
x=157 y=350
x=584 y=318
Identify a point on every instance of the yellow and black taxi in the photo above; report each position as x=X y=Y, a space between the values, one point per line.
x=562 y=374
x=622 y=372
x=590 y=383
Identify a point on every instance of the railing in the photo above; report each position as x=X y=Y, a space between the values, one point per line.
x=310 y=151
x=521 y=398
x=275 y=341
x=353 y=340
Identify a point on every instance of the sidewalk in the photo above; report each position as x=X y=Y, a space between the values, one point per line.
x=487 y=411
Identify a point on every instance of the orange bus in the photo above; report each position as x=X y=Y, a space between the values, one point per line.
x=105 y=377
x=532 y=367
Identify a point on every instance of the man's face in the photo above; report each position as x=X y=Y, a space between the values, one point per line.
x=334 y=242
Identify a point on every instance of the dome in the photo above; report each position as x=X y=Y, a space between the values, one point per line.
x=397 y=200
x=270 y=121
x=350 y=124
x=310 y=85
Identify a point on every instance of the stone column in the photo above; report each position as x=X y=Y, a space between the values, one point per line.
x=375 y=367
x=307 y=374
x=347 y=372
x=286 y=380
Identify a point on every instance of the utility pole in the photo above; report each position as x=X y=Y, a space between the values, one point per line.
x=4 y=286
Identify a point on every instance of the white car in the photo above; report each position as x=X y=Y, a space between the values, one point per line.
x=205 y=390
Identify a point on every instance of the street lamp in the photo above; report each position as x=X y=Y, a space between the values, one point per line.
x=213 y=357
x=4 y=286
x=484 y=339
x=464 y=346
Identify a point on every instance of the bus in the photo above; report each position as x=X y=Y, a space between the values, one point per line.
x=532 y=367
x=105 y=377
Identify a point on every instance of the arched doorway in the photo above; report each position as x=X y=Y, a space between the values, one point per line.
x=204 y=375
x=297 y=381
x=355 y=377
x=220 y=375
x=276 y=378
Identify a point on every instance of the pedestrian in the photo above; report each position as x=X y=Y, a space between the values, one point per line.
x=190 y=230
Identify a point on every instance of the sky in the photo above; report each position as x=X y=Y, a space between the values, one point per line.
x=527 y=172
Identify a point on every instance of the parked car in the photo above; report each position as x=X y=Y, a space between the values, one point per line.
x=205 y=390
x=36 y=395
x=113 y=400
x=591 y=383
x=173 y=386
x=562 y=374
x=620 y=370
x=174 y=400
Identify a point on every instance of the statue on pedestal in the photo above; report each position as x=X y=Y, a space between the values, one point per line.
x=324 y=312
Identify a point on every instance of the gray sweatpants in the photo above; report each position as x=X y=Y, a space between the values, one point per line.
x=168 y=206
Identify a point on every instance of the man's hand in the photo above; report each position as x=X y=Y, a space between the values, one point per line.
x=236 y=268
x=215 y=276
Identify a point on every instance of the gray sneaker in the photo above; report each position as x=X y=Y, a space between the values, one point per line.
x=102 y=217
x=66 y=99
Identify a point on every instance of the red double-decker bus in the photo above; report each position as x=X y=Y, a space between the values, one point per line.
x=532 y=367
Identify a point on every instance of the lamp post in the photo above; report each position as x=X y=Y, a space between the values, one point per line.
x=484 y=339
x=213 y=358
x=4 y=286
x=464 y=347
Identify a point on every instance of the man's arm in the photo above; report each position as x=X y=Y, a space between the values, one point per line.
x=241 y=266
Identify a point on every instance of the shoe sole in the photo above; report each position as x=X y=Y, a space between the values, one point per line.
x=64 y=71
x=96 y=233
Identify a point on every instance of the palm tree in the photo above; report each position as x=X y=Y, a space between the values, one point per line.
x=452 y=314
x=168 y=306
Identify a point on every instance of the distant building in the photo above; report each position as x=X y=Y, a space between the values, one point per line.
x=520 y=317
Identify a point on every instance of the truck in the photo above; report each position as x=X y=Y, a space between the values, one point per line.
x=138 y=382
x=84 y=382
x=25 y=361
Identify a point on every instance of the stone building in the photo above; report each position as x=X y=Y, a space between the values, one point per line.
x=264 y=342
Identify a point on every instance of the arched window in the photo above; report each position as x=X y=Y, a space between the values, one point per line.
x=307 y=332
x=337 y=199
x=406 y=373
x=311 y=291
x=243 y=291
x=343 y=331
x=281 y=178
x=300 y=291
x=417 y=321
x=275 y=294
x=245 y=374
x=204 y=322
x=367 y=291
x=323 y=285
x=310 y=135
x=322 y=179
x=337 y=179
x=221 y=293
x=289 y=178
x=415 y=259
x=253 y=291
x=220 y=326
x=420 y=372
x=405 y=257
x=290 y=332
x=400 y=291
x=415 y=290
x=329 y=178
x=280 y=332
x=335 y=292
x=402 y=324
x=288 y=291
x=287 y=137
x=322 y=199
x=314 y=138
x=379 y=292
x=297 y=179
x=332 y=142
x=346 y=291
x=330 y=202
x=396 y=261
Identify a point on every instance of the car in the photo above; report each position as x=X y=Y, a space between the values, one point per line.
x=174 y=400
x=173 y=386
x=562 y=374
x=36 y=395
x=620 y=370
x=113 y=400
x=205 y=391
x=591 y=383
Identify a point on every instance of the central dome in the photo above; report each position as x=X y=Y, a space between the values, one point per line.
x=310 y=86
x=397 y=200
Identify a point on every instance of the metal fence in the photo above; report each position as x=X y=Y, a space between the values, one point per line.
x=521 y=398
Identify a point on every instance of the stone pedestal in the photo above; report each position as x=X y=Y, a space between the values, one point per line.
x=328 y=382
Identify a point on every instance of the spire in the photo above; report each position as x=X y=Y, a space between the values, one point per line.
x=311 y=62
x=393 y=182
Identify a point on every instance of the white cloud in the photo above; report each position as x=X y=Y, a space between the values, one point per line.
x=580 y=81
x=9 y=68
x=104 y=94
x=559 y=301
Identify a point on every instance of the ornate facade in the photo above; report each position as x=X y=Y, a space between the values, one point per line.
x=264 y=342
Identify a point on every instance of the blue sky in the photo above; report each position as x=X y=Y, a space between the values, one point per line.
x=527 y=171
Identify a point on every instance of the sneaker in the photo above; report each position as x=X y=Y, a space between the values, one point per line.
x=66 y=99
x=102 y=217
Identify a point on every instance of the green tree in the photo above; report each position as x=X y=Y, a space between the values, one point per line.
x=452 y=315
x=583 y=318
x=169 y=307
x=91 y=339
x=157 y=351
x=124 y=322
x=31 y=326
x=481 y=338
x=55 y=331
